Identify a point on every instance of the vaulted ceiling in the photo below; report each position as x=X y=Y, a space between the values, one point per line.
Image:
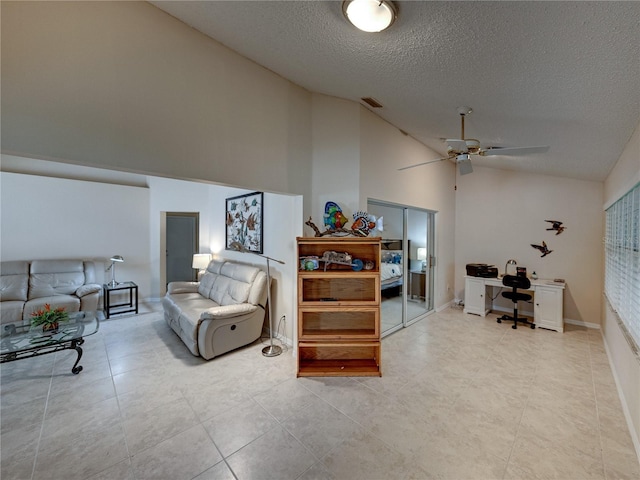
x=563 y=74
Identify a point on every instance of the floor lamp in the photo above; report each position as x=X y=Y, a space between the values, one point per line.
x=272 y=350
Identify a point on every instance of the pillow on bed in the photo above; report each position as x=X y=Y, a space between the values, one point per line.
x=392 y=256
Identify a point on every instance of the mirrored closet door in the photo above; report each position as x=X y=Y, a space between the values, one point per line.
x=407 y=264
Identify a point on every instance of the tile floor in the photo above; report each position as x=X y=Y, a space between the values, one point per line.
x=461 y=397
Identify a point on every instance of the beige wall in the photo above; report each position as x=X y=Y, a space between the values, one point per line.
x=624 y=362
x=124 y=85
x=336 y=156
x=382 y=148
x=355 y=158
x=626 y=172
x=500 y=213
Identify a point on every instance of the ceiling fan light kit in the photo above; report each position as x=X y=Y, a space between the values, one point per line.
x=461 y=149
x=464 y=164
x=369 y=15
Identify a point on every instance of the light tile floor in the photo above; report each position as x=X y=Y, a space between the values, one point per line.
x=461 y=397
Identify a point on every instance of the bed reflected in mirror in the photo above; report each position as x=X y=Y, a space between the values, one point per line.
x=405 y=265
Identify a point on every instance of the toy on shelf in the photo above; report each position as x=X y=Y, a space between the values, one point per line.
x=338 y=258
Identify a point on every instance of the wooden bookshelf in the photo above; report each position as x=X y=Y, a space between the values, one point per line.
x=339 y=309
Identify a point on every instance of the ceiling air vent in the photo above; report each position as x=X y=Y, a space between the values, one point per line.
x=372 y=102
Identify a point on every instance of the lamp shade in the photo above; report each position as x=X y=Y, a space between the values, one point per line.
x=114 y=259
x=422 y=253
x=369 y=15
x=512 y=271
x=201 y=260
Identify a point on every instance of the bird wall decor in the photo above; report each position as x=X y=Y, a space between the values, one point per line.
x=543 y=248
x=556 y=225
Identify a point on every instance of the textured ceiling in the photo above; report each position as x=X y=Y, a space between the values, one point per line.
x=563 y=74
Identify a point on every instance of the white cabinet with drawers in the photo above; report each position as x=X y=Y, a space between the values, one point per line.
x=547 y=308
x=476 y=300
x=547 y=300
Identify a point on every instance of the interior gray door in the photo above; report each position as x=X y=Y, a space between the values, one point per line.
x=182 y=243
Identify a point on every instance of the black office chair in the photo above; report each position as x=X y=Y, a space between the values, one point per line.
x=516 y=282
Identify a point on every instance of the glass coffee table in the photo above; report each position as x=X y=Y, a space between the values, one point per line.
x=24 y=341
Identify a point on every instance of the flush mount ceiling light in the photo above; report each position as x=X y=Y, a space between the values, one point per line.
x=369 y=15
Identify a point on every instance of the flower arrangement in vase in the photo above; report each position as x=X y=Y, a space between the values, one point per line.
x=49 y=318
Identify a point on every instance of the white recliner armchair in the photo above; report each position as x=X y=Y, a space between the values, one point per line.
x=222 y=312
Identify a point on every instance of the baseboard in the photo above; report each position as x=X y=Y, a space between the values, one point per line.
x=580 y=323
x=281 y=338
x=571 y=321
x=525 y=313
x=445 y=306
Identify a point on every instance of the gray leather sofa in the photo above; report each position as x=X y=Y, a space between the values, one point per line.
x=26 y=286
x=222 y=312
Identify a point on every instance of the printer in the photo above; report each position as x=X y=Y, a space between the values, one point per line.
x=482 y=270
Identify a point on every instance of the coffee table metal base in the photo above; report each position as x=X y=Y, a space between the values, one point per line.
x=23 y=341
x=37 y=351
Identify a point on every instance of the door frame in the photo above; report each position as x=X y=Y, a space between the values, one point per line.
x=162 y=254
x=431 y=259
x=430 y=272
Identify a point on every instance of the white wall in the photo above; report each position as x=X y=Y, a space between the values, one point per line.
x=625 y=363
x=53 y=218
x=500 y=213
x=96 y=219
x=169 y=195
x=283 y=223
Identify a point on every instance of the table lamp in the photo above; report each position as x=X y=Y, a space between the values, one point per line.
x=506 y=266
x=272 y=350
x=200 y=262
x=422 y=256
x=115 y=259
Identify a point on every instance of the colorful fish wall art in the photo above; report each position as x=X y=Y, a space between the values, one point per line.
x=364 y=223
x=334 y=219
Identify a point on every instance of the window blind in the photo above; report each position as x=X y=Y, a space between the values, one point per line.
x=622 y=260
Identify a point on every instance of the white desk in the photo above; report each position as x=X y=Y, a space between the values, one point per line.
x=547 y=300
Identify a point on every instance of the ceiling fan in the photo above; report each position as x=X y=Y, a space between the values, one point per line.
x=461 y=149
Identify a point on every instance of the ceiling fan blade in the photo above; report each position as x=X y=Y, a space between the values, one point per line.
x=422 y=163
x=457 y=145
x=464 y=164
x=512 y=151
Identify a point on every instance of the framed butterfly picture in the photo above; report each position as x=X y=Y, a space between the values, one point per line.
x=244 y=222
